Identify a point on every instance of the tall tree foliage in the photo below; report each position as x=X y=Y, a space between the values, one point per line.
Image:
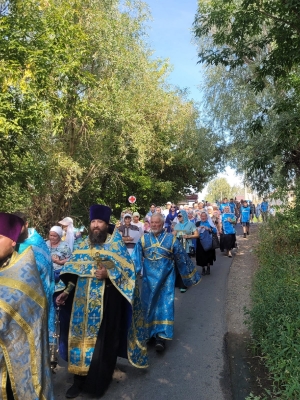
x=240 y=30
x=252 y=88
x=86 y=114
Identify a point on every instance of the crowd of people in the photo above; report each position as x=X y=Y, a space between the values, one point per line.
x=189 y=224
x=83 y=294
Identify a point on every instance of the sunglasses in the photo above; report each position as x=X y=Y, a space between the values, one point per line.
x=173 y=207
x=179 y=216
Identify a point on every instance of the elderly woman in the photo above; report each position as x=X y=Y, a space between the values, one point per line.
x=199 y=210
x=191 y=216
x=216 y=209
x=228 y=238
x=205 y=258
x=60 y=251
x=214 y=214
x=68 y=232
x=185 y=231
x=60 y=254
x=214 y=217
x=210 y=211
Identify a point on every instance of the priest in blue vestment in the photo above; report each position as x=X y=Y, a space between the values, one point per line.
x=30 y=237
x=25 y=371
x=157 y=253
x=107 y=318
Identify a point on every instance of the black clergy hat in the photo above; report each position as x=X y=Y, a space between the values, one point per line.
x=99 y=211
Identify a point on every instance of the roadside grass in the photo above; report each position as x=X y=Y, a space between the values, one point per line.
x=275 y=316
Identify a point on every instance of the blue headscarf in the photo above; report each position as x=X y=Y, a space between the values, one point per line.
x=186 y=225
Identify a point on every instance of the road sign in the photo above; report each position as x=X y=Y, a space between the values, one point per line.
x=132 y=199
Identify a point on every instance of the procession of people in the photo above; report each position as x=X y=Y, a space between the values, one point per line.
x=84 y=294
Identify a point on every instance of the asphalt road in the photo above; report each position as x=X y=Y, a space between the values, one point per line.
x=194 y=364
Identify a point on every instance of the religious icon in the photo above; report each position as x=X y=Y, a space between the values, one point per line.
x=99 y=259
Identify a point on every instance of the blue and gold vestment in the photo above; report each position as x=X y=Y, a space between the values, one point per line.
x=44 y=265
x=87 y=310
x=24 y=353
x=157 y=255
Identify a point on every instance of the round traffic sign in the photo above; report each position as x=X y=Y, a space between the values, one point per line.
x=132 y=199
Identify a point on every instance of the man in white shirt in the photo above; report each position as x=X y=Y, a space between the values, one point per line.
x=167 y=209
x=136 y=221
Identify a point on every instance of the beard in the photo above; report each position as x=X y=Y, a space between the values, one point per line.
x=23 y=236
x=156 y=231
x=97 y=236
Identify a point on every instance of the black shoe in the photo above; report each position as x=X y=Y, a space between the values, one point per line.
x=248 y=233
x=160 y=345
x=208 y=271
x=244 y=235
x=73 y=391
x=152 y=340
x=203 y=271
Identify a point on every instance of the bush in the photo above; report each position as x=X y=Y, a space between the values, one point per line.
x=274 y=318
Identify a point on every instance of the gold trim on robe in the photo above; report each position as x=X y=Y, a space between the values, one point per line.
x=24 y=348
x=87 y=310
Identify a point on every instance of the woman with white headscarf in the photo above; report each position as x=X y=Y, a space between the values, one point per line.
x=205 y=258
x=60 y=251
x=68 y=232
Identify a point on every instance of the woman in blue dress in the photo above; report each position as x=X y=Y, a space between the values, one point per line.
x=185 y=231
x=228 y=231
x=59 y=250
x=205 y=258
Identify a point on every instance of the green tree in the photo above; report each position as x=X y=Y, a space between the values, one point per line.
x=260 y=131
x=265 y=34
x=252 y=101
x=87 y=115
x=219 y=188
